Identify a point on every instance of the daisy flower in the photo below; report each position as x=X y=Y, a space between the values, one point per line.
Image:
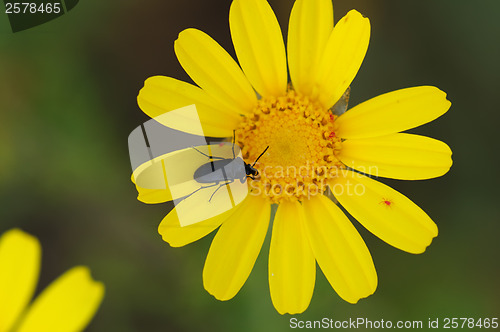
x=311 y=148
x=66 y=305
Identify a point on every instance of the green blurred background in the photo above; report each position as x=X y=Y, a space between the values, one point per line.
x=68 y=102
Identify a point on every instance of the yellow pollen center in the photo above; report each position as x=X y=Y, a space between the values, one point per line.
x=303 y=147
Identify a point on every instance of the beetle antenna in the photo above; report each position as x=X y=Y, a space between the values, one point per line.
x=256 y=160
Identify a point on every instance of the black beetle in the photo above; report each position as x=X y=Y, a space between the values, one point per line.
x=222 y=171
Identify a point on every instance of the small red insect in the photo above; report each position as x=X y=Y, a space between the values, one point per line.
x=332 y=135
x=331 y=117
x=386 y=202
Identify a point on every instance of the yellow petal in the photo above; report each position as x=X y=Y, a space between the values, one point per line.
x=342 y=57
x=292 y=268
x=213 y=69
x=235 y=248
x=393 y=112
x=162 y=94
x=151 y=182
x=66 y=305
x=385 y=212
x=339 y=250
x=177 y=236
x=19 y=269
x=311 y=23
x=152 y=196
x=259 y=46
x=398 y=156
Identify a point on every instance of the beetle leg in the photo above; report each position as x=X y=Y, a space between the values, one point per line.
x=234 y=138
x=206 y=155
x=212 y=185
x=228 y=182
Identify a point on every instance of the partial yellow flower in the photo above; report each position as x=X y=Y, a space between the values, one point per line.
x=66 y=305
x=311 y=147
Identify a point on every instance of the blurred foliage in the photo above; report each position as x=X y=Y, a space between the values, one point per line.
x=67 y=104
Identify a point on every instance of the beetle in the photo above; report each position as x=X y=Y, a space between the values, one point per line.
x=230 y=170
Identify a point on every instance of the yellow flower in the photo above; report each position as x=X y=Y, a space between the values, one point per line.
x=66 y=305
x=310 y=147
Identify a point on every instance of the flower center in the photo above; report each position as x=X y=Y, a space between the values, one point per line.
x=303 y=147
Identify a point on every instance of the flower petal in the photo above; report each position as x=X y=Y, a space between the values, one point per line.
x=339 y=250
x=311 y=23
x=259 y=46
x=342 y=57
x=398 y=156
x=177 y=236
x=213 y=69
x=385 y=212
x=152 y=196
x=151 y=182
x=292 y=268
x=66 y=305
x=393 y=112
x=162 y=94
x=235 y=248
x=19 y=269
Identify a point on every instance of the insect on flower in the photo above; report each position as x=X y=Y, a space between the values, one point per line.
x=315 y=143
x=194 y=165
x=386 y=202
x=223 y=171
